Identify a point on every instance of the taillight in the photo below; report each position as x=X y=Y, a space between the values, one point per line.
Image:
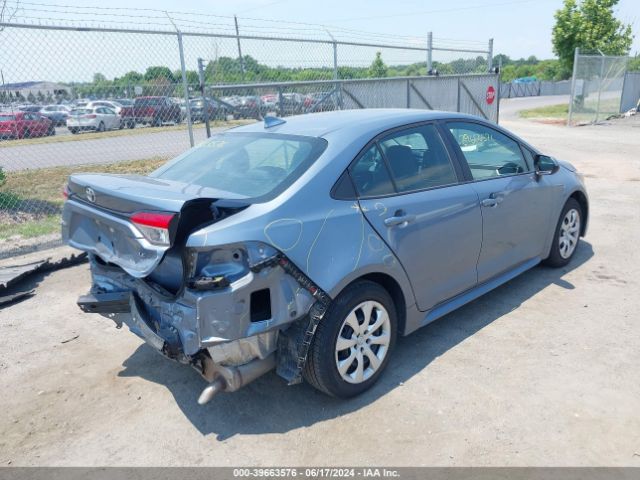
x=65 y=192
x=154 y=226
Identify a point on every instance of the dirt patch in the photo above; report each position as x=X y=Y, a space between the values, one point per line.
x=551 y=121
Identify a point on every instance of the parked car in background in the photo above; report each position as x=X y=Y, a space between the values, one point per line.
x=321 y=102
x=153 y=110
x=215 y=110
x=30 y=108
x=290 y=104
x=110 y=104
x=14 y=125
x=309 y=244
x=125 y=102
x=98 y=119
x=250 y=106
x=270 y=101
x=58 y=114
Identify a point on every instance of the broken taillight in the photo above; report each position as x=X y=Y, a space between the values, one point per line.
x=154 y=226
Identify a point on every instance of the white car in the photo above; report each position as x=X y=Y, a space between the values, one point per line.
x=93 y=118
x=113 y=105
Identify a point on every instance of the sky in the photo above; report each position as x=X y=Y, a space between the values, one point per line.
x=520 y=28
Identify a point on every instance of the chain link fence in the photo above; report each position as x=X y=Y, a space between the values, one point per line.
x=116 y=99
x=596 y=87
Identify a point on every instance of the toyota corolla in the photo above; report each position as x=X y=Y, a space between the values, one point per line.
x=308 y=245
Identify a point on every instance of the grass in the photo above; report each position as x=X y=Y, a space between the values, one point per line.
x=45 y=185
x=115 y=133
x=585 y=114
x=551 y=111
x=32 y=228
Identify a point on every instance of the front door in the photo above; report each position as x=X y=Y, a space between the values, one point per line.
x=515 y=206
x=409 y=192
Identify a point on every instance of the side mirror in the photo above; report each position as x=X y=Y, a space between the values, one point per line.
x=545 y=165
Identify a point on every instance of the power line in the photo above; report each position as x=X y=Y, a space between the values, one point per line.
x=424 y=12
x=258 y=26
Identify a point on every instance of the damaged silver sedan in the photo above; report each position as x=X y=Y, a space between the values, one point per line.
x=307 y=245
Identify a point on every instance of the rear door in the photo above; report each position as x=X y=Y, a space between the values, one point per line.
x=515 y=205
x=112 y=119
x=409 y=191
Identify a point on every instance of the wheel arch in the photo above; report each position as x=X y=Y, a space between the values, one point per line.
x=582 y=200
x=393 y=287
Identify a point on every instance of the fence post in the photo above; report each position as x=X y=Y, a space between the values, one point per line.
x=573 y=84
x=499 y=77
x=408 y=93
x=335 y=71
x=429 y=52
x=458 y=97
x=235 y=19
x=205 y=101
x=600 y=86
x=490 y=55
x=185 y=86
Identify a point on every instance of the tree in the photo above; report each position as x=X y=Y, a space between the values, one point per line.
x=378 y=68
x=592 y=26
x=158 y=72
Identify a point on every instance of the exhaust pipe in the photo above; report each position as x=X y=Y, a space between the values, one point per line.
x=230 y=379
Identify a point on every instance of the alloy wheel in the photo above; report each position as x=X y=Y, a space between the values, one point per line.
x=569 y=233
x=363 y=342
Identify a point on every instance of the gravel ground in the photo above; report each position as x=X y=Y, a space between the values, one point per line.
x=541 y=371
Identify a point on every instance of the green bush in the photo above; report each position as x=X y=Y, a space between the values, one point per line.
x=3 y=177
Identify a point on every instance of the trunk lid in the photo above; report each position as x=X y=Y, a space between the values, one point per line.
x=99 y=216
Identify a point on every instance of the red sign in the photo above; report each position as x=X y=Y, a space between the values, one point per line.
x=491 y=94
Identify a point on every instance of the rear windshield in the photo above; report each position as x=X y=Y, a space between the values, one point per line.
x=6 y=118
x=144 y=102
x=256 y=166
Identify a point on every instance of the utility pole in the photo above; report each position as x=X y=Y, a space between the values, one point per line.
x=429 y=52
x=205 y=101
x=235 y=19
x=490 y=55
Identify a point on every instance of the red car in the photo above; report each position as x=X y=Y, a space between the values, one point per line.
x=25 y=125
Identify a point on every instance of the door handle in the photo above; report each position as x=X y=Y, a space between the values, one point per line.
x=400 y=218
x=493 y=200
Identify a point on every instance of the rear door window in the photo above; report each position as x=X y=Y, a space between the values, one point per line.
x=418 y=159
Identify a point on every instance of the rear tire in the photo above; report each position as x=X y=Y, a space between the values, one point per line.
x=566 y=236
x=101 y=127
x=73 y=130
x=353 y=342
x=52 y=131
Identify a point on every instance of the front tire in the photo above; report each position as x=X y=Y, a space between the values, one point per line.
x=353 y=341
x=567 y=235
x=101 y=127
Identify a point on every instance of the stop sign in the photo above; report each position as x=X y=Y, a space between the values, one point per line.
x=491 y=94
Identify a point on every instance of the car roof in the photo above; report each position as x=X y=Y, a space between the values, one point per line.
x=356 y=121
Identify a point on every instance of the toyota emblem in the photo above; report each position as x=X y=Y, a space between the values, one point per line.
x=91 y=195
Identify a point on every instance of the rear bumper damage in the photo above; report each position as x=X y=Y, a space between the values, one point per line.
x=232 y=332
